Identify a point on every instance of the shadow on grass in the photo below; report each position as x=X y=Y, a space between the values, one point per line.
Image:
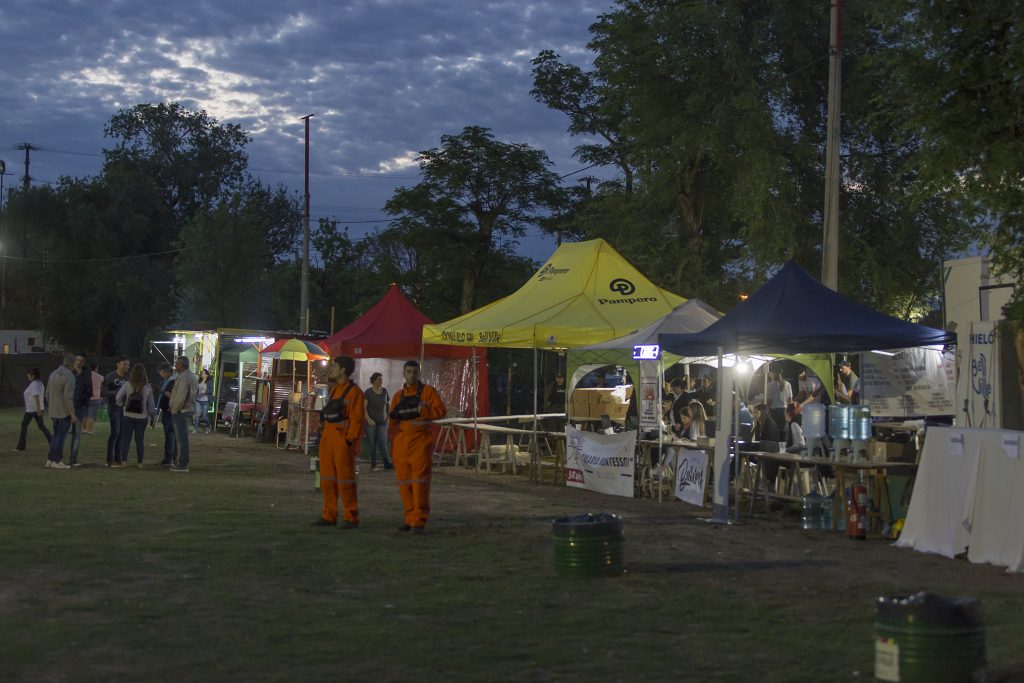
x=697 y=567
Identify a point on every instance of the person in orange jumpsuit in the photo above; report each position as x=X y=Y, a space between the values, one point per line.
x=342 y=426
x=413 y=448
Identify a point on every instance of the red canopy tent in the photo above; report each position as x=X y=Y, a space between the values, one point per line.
x=391 y=333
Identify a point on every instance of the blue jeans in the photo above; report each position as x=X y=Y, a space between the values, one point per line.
x=114 y=440
x=61 y=425
x=377 y=437
x=133 y=426
x=170 y=442
x=202 y=414
x=182 y=422
x=76 y=433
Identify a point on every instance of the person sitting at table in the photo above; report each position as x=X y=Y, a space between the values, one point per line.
x=764 y=428
x=681 y=429
x=698 y=420
x=795 y=442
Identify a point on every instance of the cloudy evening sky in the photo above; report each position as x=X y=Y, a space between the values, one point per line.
x=384 y=79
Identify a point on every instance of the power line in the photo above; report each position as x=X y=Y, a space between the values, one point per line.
x=97 y=260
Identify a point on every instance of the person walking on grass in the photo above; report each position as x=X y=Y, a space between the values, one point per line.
x=167 y=378
x=136 y=399
x=34 y=394
x=95 y=400
x=112 y=384
x=183 y=407
x=83 y=394
x=60 y=397
x=342 y=419
x=376 y=406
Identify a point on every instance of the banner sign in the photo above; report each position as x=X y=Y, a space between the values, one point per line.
x=913 y=382
x=600 y=462
x=691 y=476
x=980 y=374
x=649 y=400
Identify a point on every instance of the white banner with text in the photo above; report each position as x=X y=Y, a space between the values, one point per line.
x=600 y=462
x=691 y=475
x=913 y=382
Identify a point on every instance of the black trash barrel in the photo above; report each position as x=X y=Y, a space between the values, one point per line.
x=588 y=545
x=929 y=638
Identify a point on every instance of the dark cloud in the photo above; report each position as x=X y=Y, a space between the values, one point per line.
x=384 y=78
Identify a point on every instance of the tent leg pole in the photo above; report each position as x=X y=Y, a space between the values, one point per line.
x=534 y=453
x=736 y=458
x=720 y=506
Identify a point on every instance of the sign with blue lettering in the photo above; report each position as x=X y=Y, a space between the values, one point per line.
x=646 y=352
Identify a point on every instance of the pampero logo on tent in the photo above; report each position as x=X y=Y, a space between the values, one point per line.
x=624 y=287
x=549 y=271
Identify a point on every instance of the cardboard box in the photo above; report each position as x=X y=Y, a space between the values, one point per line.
x=579 y=403
x=607 y=402
x=887 y=451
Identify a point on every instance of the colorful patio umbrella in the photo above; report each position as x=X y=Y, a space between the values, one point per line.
x=294 y=349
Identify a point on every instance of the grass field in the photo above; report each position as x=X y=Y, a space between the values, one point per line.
x=141 y=574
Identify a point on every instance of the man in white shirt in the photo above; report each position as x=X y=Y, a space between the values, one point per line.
x=779 y=395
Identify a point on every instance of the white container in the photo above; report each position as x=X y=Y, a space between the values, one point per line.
x=860 y=423
x=839 y=421
x=814 y=421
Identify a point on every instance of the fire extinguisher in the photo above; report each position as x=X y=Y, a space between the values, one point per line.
x=857 y=512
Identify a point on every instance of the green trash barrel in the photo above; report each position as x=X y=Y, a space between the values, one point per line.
x=929 y=638
x=588 y=545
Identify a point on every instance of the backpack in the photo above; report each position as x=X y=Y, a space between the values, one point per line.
x=136 y=403
x=334 y=411
x=408 y=407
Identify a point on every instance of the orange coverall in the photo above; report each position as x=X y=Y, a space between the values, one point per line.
x=412 y=451
x=338 y=445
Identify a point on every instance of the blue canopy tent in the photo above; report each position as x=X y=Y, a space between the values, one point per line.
x=793 y=313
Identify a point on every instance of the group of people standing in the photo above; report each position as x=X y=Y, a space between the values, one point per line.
x=75 y=391
x=349 y=412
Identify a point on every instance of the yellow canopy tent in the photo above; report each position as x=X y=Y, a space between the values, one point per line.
x=586 y=293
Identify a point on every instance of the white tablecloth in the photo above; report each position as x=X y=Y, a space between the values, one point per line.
x=969 y=500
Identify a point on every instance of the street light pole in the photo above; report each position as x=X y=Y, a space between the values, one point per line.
x=3 y=249
x=304 y=287
x=830 y=239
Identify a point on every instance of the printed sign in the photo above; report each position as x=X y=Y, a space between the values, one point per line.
x=600 y=462
x=650 y=396
x=646 y=352
x=956 y=443
x=1011 y=445
x=912 y=382
x=691 y=476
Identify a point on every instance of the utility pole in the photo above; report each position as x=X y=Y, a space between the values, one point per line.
x=830 y=240
x=304 y=291
x=3 y=249
x=28 y=147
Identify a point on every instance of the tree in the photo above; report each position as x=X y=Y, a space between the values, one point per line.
x=477 y=195
x=190 y=160
x=593 y=109
x=222 y=270
x=957 y=66
x=96 y=258
x=719 y=108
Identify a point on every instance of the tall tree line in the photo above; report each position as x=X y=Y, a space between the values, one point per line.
x=706 y=118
